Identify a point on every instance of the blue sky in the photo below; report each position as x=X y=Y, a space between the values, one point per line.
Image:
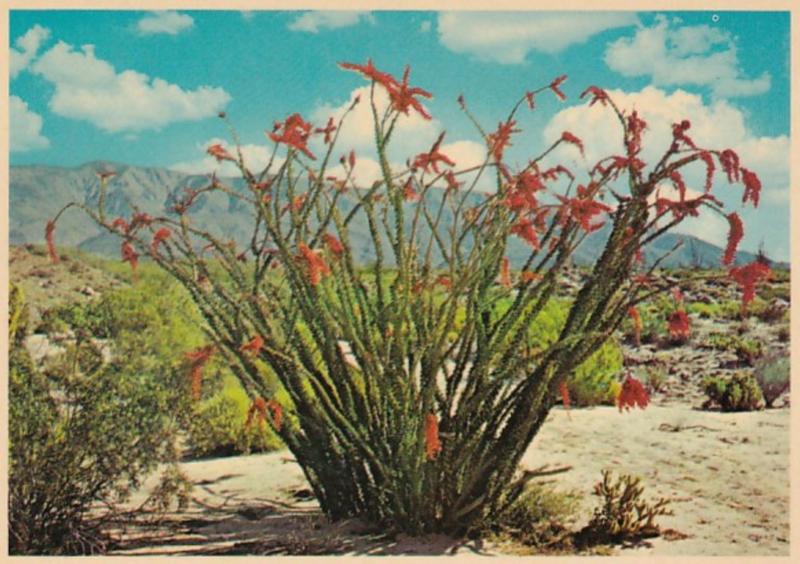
x=144 y=87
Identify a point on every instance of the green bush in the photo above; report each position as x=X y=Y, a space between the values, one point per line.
x=78 y=446
x=739 y=392
x=539 y=518
x=218 y=426
x=773 y=375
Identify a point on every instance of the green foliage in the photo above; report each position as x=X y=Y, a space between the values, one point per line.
x=739 y=392
x=217 y=425
x=746 y=350
x=773 y=375
x=706 y=311
x=623 y=514
x=79 y=443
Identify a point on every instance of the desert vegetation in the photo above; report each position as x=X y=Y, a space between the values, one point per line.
x=410 y=389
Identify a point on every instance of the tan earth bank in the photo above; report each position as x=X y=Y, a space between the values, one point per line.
x=726 y=475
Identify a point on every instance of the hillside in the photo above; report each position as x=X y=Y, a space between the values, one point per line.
x=37 y=192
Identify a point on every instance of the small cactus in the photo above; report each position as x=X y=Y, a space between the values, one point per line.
x=740 y=392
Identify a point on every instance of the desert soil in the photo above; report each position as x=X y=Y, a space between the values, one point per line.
x=725 y=474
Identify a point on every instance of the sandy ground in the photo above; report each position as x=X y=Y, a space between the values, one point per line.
x=726 y=474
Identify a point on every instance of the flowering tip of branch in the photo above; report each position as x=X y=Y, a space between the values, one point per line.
x=597 y=94
x=433 y=445
x=295 y=134
x=501 y=138
x=220 y=153
x=430 y=160
x=729 y=161
x=333 y=244
x=505 y=273
x=748 y=277
x=632 y=394
x=678 y=325
x=328 y=131
x=253 y=346
x=130 y=255
x=568 y=137
x=524 y=229
x=564 y=391
x=49 y=236
x=529 y=98
x=735 y=235
x=198 y=359
x=316 y=267
x=752 y=187
x=409 y=193
x=555 y=87
x=161 y=235
x=637 y=324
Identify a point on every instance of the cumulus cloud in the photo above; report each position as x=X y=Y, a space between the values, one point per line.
x=508 y=37
x=90 y=89
x=25 y=127
x=717 y=125
x=313 y=22
x=167 y=22
x=691 y=55
x=27 y=46
x=256 y=158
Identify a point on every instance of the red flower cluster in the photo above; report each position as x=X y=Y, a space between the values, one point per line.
x=632 y=394
x=568 y=137
x=679 y=134
x=752 y=187
x=582 y=210
x=401 y=96
x=678 y=325
x=333 y=244
x=315 y=264
x=218 y=152
x=409 y=193
x=129 y=255
x=730 y=164
x=430 y=160
x=636 y=127
x=748 y=276
x=564 y=391
x=598 y=95
x=433 y=445
x=524 y=229
x=555 y=87
x=505 y=273
x=198 y=359
x=253 y=346
x=500 y=139
x=257 y=409
x=637 y=325
x=735 y=235
x=706 y=158
x=295 y=134
x=327 y=131
x=159 y=236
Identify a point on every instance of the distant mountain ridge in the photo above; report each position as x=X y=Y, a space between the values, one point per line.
x=37 y=192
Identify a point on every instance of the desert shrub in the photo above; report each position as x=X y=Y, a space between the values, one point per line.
x=704 y=310
x=739 y=392
x=218 y=426
x=540 y=517
x=623 y=515
x=747 y=351
x=78 y=446
x=773 y=375
x=655 y=378
x=395 y=415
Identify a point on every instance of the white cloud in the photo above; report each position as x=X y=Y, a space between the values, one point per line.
x=691 y=55
x=256 y=158
x=413 y=134
x=313 y=22
x=27 y=47
x=90 y=89
x=507 y=37
x=168 y=22
x=717 y=125
x=25 y=127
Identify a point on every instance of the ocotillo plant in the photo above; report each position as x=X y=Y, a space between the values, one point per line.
x=413 y=391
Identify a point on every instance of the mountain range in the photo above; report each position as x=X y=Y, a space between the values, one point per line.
x=37 y=192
